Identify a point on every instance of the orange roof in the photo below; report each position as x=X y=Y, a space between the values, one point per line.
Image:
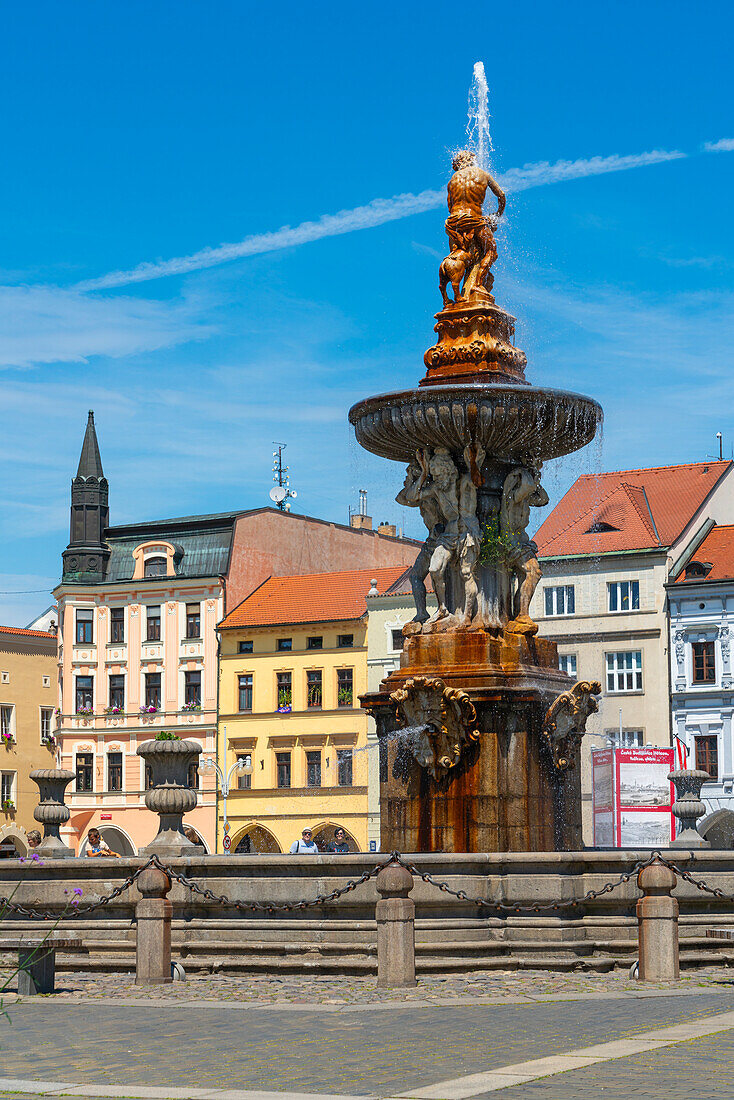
x=311 y=598
x=628 y=509
x=717 y=550
x=27 y=633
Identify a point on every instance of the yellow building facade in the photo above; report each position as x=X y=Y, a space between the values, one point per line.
x=28 y=700
x=293 y=663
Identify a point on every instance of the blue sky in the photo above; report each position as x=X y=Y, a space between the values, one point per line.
x=138 y=133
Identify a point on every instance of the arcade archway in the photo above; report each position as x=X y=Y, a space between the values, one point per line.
x=255 y=840
x=324 y=834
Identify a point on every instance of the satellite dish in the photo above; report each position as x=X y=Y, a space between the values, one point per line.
x=277 y=493
x=294 y=494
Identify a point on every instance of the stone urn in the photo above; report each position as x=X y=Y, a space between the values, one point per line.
x=52 y=812
x=688 y=806
x=170 y=796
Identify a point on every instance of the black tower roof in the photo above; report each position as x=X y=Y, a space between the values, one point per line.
x=90 y=463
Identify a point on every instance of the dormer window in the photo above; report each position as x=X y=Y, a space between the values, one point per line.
x=599 y=527
x=156 y=567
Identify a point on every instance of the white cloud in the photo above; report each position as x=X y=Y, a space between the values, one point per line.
x=47 y=324
x=374 y=213
x=724 y=145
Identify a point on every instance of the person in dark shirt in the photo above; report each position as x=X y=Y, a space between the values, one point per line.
x=339 y=843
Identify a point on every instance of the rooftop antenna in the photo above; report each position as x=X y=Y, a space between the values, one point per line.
x=721 y=447
x=281 y=493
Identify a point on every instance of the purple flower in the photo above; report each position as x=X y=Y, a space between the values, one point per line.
x=78 y=891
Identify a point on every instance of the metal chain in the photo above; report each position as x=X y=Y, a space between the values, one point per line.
x=74 y=912
x=590 y=895
x=262 y=907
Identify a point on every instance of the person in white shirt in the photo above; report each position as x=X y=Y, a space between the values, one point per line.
x=305 y=846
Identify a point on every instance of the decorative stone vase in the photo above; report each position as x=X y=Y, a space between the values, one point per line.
x=688 y=806
x=52 y=812
x=170 y=797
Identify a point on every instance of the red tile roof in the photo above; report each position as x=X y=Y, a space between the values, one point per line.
x=311 y=598
x=717 y=549
x=627 y=509
x=27 y=633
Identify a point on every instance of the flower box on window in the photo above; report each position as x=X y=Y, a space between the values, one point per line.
x=114 y=710
x=49 y=739
x=8 y=806
x=85 y=710
x=149 y=710
x=7 y=738
x=191 y=706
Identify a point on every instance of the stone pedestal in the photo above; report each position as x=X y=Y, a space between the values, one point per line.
x=171 y=796
x=657 y=918
x=504 y=793
x=395 y=916
x=51 y=811
x=688 y=806
x=475 y=344
x=153 y=933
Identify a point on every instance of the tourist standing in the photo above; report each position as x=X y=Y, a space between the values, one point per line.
x=305 y=846
x=339 y=843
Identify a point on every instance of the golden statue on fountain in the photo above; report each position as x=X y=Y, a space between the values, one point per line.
x=470 y=232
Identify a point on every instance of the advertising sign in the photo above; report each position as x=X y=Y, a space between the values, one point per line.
x=632 y=798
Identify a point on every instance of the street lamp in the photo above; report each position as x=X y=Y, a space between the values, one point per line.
x=225 y=782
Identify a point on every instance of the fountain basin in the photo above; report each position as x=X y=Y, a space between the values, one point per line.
x=511 y=422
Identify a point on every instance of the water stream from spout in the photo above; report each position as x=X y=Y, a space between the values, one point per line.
x=477 y=128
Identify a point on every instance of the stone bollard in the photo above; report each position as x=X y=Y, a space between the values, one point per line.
x=153 y=939
x=395 y=914
x=657 y=919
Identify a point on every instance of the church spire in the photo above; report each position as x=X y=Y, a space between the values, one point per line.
x=90 y=464
x=85 y=558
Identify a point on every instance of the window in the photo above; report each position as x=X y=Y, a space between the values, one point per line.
x=153 y=689
x=193 y=620
x=707 y=755
x=560 y=599
x=84 y=694
x=6 y=722
x=704 y=665
x=155 y=567
x=153 y=632
x=84 y=623
x=628 y=739
x=284 y=644
x=244 y=687
x=114 y=771
x=313 y=769
x=148 y=777
x=624 y=671
x=192 y=778
x=244 y=647
x=623 y=595
x=192 y=689
x=85 y=771
x=345 y=686
x=567 y=664
x=315 y=643
x=117 y=624
x=244 y=782
x=117 y=692
x=344 y=767
x=397 y=639
x=284 y=690
x=7 y=788
x=47 y=717
x=345 y=641
x=313 y=688
x=283 y=767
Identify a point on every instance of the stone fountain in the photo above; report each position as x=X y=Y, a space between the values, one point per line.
x=478 y=729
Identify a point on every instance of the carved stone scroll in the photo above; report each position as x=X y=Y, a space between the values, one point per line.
x=441 y=721
x=565 y=722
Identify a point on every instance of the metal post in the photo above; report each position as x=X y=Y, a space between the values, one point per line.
x=657 y=919
x=395 y=915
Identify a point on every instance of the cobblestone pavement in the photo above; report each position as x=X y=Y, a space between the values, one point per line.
x=489 y=985
x=380 y=1052
x=701 y=1069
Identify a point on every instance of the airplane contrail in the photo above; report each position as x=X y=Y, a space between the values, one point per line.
x=378 y=212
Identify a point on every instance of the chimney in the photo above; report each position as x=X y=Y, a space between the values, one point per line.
x=361 y=520
x=386 y=529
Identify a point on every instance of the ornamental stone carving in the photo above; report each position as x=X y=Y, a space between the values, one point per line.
x=171 y=796
x=437 y=722
x=52 y=811
x=565 y=722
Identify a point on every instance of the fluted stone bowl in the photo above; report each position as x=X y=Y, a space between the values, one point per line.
x=511 y=422
x=170 y=796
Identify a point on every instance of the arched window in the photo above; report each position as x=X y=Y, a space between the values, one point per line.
x=156 y=567
x=256 y=839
